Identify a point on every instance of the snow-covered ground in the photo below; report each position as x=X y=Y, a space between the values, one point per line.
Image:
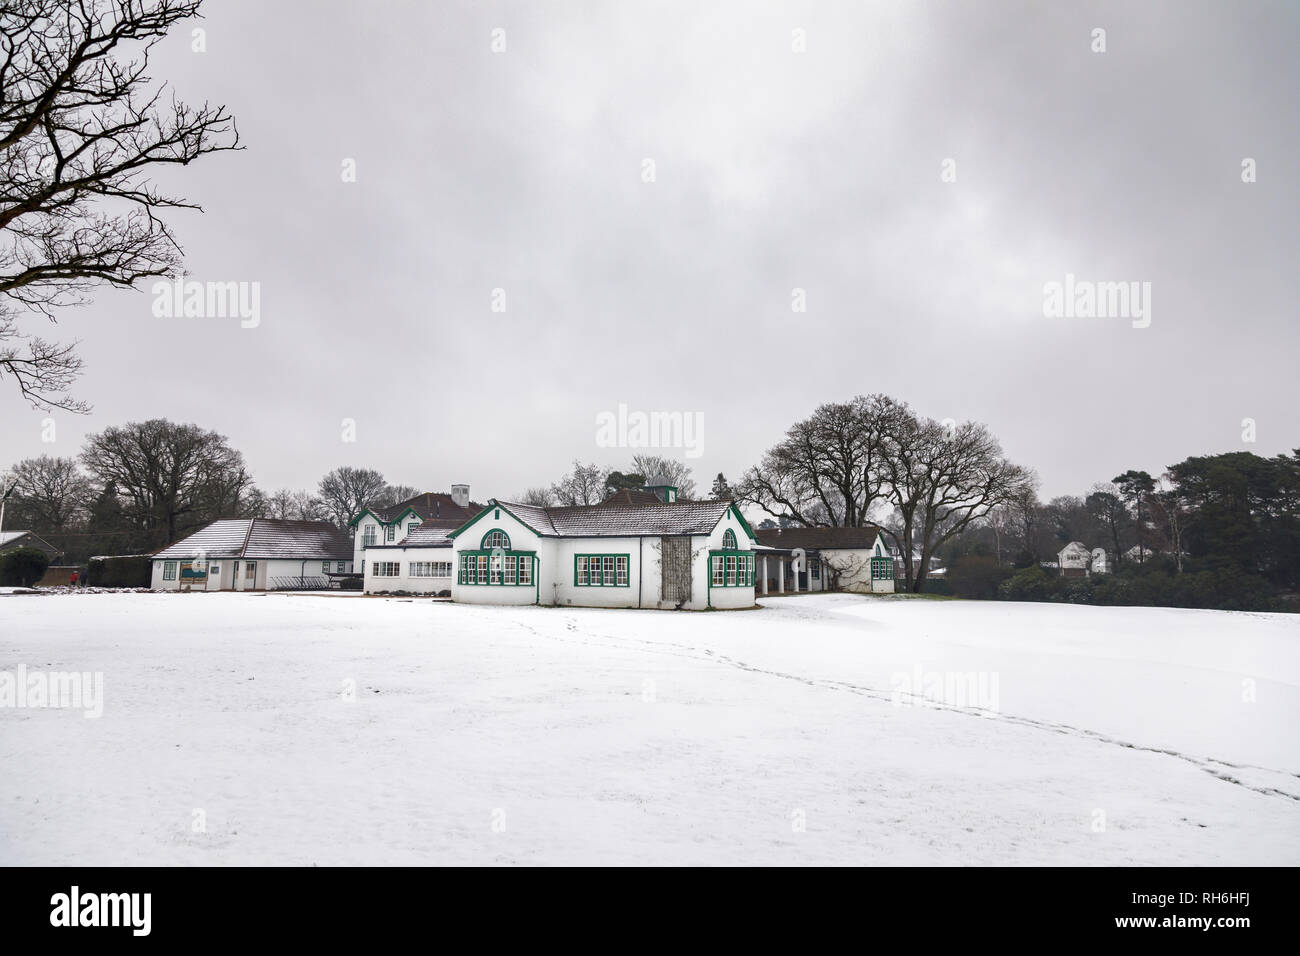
x=566 y=736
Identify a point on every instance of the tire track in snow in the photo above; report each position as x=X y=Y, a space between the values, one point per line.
x=1209 y=765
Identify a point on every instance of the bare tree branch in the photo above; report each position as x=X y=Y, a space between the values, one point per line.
x=81 y=126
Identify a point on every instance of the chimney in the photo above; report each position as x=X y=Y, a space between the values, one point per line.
x=460 y=495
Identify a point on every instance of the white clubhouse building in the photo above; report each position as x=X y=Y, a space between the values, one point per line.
x=667 y=554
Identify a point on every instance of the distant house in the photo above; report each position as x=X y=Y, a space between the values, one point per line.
x=10 y=540
x=900 y=564
x=1076 y=561
x=254 y=554
x=1139 y=555
x=818 y=559
x=666 y=554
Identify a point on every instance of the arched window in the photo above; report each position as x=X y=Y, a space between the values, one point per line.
x=729 y=540
x=496 y=539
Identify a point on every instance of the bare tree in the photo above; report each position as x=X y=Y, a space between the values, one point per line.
x=1027 y=526
x=827 y=470
x=540 y=497
x=53 y=493
x=942 y=478
x=674 y=472
x=345 y=492
x=287 y=504
x=81 y=127
x=392 y=494
x=1106 y=506
x=169 y=476
x=585 y=485
x=1175 y=509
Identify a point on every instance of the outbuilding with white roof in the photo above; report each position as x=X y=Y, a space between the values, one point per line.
x=254 y=554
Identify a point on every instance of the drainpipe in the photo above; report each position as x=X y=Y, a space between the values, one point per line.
x=708 y=577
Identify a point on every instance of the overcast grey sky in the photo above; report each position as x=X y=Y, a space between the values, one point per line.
x=774 y=170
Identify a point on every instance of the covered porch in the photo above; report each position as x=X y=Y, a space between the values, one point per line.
x=788 y=570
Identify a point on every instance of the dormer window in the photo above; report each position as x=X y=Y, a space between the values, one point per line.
x=729 y=540
x=390 y=532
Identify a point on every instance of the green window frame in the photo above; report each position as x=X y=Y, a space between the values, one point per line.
x=729 y=540
x=602 y=570
x=731 y=569
x=390 y=532
x=169 y=570
x=491 y=568
x=496 y=538
x=882 y=569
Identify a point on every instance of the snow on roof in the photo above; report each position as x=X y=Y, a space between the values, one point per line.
x=431 y=534
x=606 y=520
x=263 y=538
x=429 y=505
x=7 y=536
x=312 y=539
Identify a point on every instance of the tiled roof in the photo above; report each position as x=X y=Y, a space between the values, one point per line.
x=297 y=539
x=861 y=538
x=633 y=496
x=431 y=534
x=605 y=520
x=430 y=505
x=263 y=538
x=7 y=536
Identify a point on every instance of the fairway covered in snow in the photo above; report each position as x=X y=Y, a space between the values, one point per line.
x=828 y=729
